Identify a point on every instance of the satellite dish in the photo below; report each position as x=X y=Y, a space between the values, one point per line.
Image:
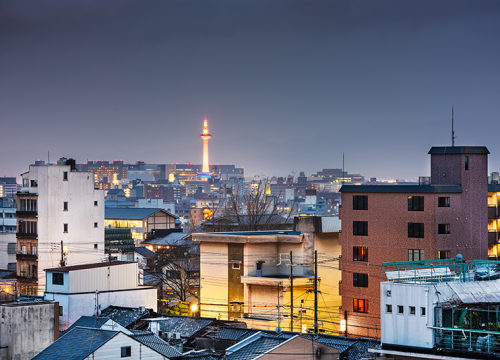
x=459 y=258
x=278 y=330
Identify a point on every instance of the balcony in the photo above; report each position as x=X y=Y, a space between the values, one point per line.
x=22 y=256
x=26 y=213
x=27 y=235
x=493 y=237
x=283 y=280
x=492 y=212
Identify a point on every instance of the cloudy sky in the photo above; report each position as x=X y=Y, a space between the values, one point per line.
x=286 y=85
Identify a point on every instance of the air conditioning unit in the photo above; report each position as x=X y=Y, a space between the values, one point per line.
x=177 y=336
x=142 y=309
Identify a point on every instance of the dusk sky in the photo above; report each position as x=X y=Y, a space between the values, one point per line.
x=285 y=85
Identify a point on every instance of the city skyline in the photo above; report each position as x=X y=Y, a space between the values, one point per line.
x=286 y=86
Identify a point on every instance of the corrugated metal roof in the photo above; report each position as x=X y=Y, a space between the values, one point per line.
x=143 y=251
x=88 y=322
x=414 y=189
x=89 y=266
x=477 y=291
x=131 y=213
x=124 y=316
x=159 y=345
x=174 y=238
x=330 y=224
x=445 y=150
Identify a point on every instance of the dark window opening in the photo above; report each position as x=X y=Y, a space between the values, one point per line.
x=388 y=308
x=401 y=309
x=412 y=310
x=65 y=228
x=416 y=230
x=61 y=310
x=126 y=351
x=360 y=228
x=360 y=253
x=65 y=176
x=443 y=228
x=444 y=254
x=65 y=206
x=360 y=202
x=466 y=163
x=360 y=280
x=415 y=203
x=443 y=202
x=57 y=279
x=95 y=203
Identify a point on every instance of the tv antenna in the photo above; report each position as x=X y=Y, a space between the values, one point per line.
x=453 y=137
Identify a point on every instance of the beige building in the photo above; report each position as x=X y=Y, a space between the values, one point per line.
x=246 y=275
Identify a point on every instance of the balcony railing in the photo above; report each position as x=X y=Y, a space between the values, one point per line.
x=24 y=256
x=492 y=212
x=27 y=235
x=33 y=213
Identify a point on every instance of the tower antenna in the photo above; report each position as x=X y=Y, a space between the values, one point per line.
x=453 y=137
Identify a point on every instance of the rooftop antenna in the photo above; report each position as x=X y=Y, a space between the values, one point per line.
x=343 y=175
x=453 y=137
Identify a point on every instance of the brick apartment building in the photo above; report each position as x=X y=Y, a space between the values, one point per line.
x=441 y=217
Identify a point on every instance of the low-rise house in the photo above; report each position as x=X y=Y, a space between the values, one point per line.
x=127 y=317
x=440 y=309
x=27 y=327
x=144 y=257
x=80 y=289
x=95 y=343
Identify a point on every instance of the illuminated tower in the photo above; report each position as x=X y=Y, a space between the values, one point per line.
x=205 y=136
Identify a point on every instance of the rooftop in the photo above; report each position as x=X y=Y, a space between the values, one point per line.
x=123 y=315
x=89 y=266
x=445 y=150
x=173 y=239
x=401 y=189
x=132 y=213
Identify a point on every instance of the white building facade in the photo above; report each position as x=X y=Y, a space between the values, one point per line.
x=60 y=218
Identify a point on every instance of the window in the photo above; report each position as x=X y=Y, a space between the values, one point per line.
x=11 y=248
x=415 y=203
x=400 y=309
x=466 y=163
x=23 y=250
x=95 y=225
x=95 y=246
x=389 y=293
x=126 y=351
x=57 y=279
x=61 y=310
x=65 y=228
x=236 y=266
x=422 y=311
x=360 y=306
x=360 y=280
x=360 y=253
x=412 y=310
x=444 y=254
x=443 y=228
x=65 y=176
x=26 y=182
x=33 y=250
x=360 y=202
x=360 y=228
x=65 y=206
x=388 y=309
x=416 y=230
x=443 y=202
x=95 y=203
x=415 y=255
x=34 y=183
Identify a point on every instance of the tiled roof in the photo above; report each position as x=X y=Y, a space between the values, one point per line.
x=154 y=342
x=401 y=189
x=124 y=316
x=203 y=356
x=89 y=266
x=87 y=322
x=172 y=239
x=186 y=326
x=263 y=343
x=141 y=250
x=76 y=344
x=132 y=213
x=358 y=348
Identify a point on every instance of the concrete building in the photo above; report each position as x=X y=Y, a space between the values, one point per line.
x=56 y=207
x=442 y=309
x=246 y=275
x=8 y=187
x=27 y=328
x=79 y=289
x=446 y=215
x=8 y=226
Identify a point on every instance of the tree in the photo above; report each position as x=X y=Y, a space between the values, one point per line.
x=178 y=269
x=253 y=211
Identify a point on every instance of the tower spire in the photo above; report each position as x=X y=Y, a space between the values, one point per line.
x=205 y=136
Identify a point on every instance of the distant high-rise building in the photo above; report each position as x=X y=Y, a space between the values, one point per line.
x=205 y=172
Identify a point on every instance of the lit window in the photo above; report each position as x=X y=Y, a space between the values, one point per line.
x=360 y=305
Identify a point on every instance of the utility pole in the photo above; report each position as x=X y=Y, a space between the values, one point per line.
x=109 y=251
x=315 y=292
x=291 y=292
x=61 y=263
